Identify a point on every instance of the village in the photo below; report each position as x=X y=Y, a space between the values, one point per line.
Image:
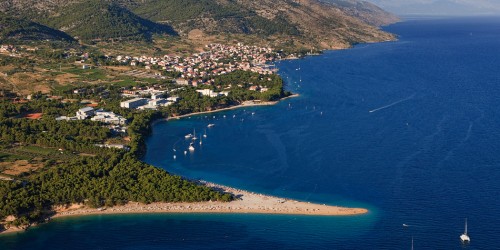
x=175 y=75
x=200 y=68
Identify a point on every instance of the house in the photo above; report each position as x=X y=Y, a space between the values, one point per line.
x=254 y=88
x=129 y=92
x=83 y=113
x=79 y=91
x=181 y=81
x=134 y=103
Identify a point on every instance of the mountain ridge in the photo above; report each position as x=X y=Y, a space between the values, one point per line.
x=12 y=28
x=322 y=24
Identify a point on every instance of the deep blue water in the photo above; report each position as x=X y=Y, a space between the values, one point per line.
x=428 y=155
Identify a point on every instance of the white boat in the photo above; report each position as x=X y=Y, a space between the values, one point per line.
x=194 y=135
x=188 y=136
x=185 y=152
x=205 y=135
x=201 y=140
x=175 y=157
x=191 y=148
x=464 y=237
x=210 y=125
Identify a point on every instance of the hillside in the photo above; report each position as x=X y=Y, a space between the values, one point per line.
x=324 y=24
x=365 y=11
x=97 y=19
x=89 y=20
x=14 y=29
x=211 y=16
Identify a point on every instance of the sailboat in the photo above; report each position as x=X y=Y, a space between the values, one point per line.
x=464 y=237
x=194 y=135
x=201 y=139
x=205 y=135
x=191 y=148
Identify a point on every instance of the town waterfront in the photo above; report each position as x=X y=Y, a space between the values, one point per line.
x=406 y=129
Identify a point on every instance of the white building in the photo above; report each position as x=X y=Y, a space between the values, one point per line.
x=173 y=99
x=207 y=92
x=157 y=95
x=108 y=117
x=157 y=102
x=118 y=146
x=66 y=118
x=83 y=113
x=134 y=103
x=210 y=93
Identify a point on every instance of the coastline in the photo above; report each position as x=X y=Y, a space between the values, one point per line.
x=242 y=105
x=245 y=203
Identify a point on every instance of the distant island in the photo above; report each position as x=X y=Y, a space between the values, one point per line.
x=76 y=105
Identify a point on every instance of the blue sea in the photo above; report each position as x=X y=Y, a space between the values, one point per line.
x=408 y=129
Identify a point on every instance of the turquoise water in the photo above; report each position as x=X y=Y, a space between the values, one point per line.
x=407 y=129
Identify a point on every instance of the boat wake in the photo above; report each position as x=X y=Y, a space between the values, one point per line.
x=392 y=104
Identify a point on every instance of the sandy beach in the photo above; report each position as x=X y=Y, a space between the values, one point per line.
x=246 y=202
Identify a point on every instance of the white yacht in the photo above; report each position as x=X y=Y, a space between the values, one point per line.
x=188 y=136
x=464 y=237
x=191 y=148
x=211 y=125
